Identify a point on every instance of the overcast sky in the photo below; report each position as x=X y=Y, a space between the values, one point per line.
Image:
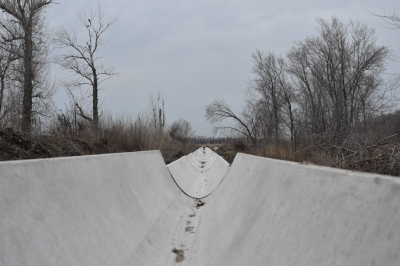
x=196 y=51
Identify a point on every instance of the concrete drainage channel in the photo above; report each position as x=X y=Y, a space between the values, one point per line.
x=188 y=241
x=132 y=209
x=204 y=164
x=199 y=173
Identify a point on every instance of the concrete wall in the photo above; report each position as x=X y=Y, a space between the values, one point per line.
x=270 y=212
x=121 y=209
x=125 y=209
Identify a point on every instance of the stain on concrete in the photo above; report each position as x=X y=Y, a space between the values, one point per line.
x=180 y=254
x=189 y=229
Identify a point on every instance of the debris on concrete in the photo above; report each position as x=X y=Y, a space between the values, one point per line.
x=180 y=254
x=189 y=229
x=200 y=204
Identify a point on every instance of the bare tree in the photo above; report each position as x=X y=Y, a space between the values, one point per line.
x=329 y=86
x=24 y=21
x=246 y=125
x=7 y=57
x=82 y=57
x=337 y=74
x=181 y=130
x=272 y=91
x=270 y=104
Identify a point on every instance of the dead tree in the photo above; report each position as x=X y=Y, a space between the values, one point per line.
x=24 y=19
x=82 y=57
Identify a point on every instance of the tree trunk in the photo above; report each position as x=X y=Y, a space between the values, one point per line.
x=2 y=93
x=95 y=100
x=28 y=80
x=292 y=137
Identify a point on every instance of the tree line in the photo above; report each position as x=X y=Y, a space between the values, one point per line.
x=324 y=89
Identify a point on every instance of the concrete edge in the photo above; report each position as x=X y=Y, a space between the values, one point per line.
x=350 y=173
x=67 y=158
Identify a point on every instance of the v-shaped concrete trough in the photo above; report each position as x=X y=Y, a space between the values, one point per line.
x=199 y=173
x=131 y=209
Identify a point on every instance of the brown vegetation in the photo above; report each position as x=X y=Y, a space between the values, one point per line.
x=68 y=134
x=15 y=145
x=383 y=157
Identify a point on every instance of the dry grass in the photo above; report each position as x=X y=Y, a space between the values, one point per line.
x=381 y=158
x=114 y=135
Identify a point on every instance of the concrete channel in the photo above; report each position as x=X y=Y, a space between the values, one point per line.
x=132 y=209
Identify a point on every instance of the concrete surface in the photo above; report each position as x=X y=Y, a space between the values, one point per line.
x=199 y=173
x=271 y=212
x=121 y=209
x=125 y=209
